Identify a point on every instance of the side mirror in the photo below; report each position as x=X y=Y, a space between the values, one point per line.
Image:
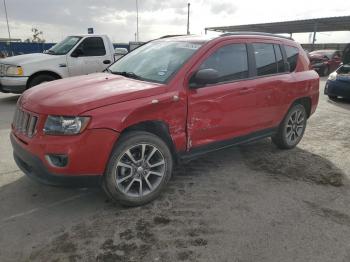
x=204 y=77
x=120 y=51
x=77 y=52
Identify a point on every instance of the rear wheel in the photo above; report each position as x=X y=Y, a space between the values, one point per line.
x=139 y=169
x=39 y=79
x=292 y=128
x=332 y=97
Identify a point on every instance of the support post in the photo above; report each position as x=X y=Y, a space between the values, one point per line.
x=188 y=18
x=314 y=37
x=8 y=29
x=137 y=21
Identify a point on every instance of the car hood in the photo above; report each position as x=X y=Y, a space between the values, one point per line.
x=29 y=58
x=315 y=57
x=75 y=95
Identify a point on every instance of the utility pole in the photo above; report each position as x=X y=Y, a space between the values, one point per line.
x=8 y=27
x=137 y=20
x=314 y=37
x=188 y=18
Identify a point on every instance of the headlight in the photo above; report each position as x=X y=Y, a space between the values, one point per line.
x=65 y=125
x=333 y=76
x=14 y=71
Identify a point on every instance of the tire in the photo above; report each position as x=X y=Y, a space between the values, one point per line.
x=332 y=97
x=292 y=128
x=140 y=179
x=41 y=79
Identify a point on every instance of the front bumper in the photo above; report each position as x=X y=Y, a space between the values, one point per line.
x=88 y=155
x=337 y=88
x=15 y=85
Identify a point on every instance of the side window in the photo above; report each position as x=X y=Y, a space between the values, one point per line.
x=292 y=56
x=93 y=46
x=337 y=54
x=265 y=59
x=231 y=62
x=279 y=59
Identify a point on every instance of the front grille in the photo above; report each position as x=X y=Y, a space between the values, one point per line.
x=25 y=122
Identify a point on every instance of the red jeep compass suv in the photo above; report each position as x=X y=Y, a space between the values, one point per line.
x=169 y=100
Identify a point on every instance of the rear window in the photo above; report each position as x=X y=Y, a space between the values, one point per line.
x=265 y=59
x=292 y=56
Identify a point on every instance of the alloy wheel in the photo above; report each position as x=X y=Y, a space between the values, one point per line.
x=295 y=127
x=140 y=170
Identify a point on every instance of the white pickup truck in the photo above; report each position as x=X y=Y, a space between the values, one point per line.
x=75 y=55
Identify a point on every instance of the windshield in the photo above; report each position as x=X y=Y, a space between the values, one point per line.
x=64 y=46
x=345 y=69
x=156 y=61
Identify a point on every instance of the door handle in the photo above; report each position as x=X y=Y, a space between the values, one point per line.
x=107 y=62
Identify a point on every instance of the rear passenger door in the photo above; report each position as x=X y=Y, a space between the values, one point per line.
x=271 y=82
x=225 y=109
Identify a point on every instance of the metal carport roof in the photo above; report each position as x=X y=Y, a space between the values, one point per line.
x=337 y=23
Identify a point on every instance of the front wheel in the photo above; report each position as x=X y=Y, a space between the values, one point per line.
x=39 y=79
x=138 y=170
x=332 y=97
x=292 y=128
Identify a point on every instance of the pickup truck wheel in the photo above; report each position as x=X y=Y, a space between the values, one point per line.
x=39 y=79
x=292 y=128
x=139 y=168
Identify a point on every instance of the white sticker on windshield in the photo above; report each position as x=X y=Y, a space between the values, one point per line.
x=189 y=45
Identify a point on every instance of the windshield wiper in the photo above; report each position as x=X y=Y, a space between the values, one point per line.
x=128 y=74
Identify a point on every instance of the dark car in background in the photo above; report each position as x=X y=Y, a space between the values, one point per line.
x=325 y=61
x=338 y=83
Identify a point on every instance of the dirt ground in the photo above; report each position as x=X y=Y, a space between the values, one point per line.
x=247 y=203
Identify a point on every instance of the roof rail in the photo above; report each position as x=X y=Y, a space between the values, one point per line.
x=255 y=33
x=167 y=36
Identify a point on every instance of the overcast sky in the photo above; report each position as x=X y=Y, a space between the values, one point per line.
x=117 y=18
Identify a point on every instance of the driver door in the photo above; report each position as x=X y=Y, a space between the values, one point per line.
x=226 y=109
x=91 y=57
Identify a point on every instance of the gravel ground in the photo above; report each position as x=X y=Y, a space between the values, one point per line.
x=247 y=203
